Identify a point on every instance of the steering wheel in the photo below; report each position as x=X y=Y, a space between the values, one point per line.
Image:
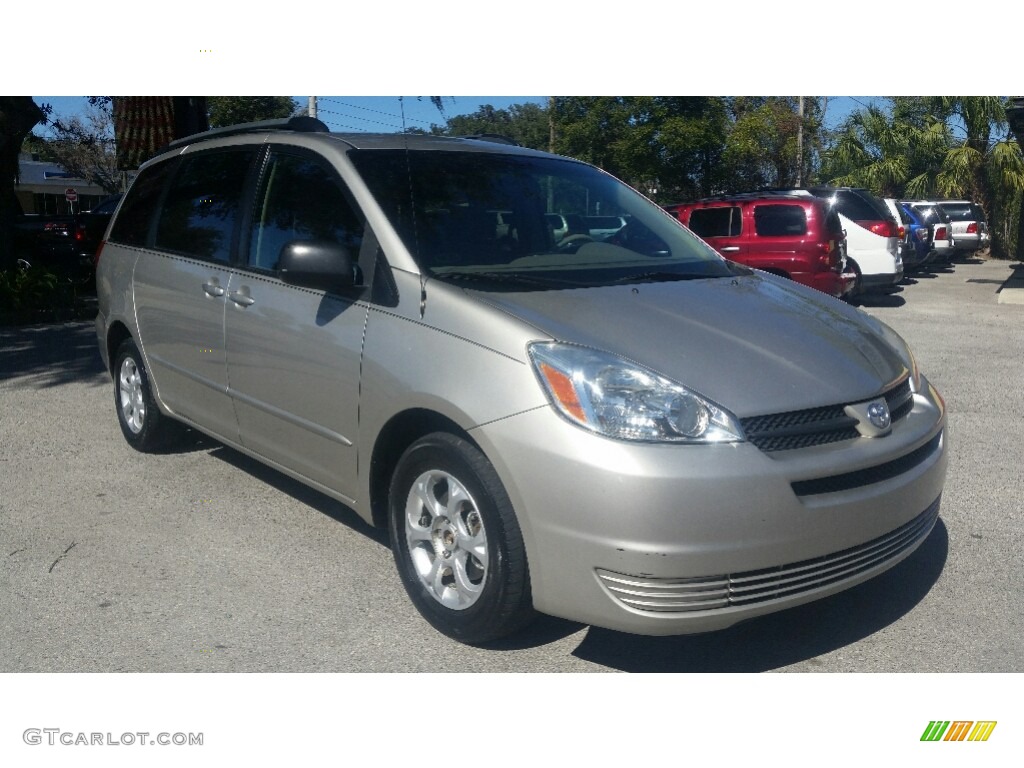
x=573 y=242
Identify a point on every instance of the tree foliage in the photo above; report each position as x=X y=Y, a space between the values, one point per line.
x=943 y=147
x=232 y=110
x=527 y=124
x=84 y=146
x=684 y=147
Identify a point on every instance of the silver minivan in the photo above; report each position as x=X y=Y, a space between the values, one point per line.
x=630 y=432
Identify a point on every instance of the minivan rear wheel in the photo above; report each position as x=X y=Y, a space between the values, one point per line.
x=456 y=542
x=142 y=424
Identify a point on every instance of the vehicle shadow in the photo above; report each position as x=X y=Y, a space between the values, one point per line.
x=788 y=637
x=300 y=492
x=879 y=300
x=45 y=356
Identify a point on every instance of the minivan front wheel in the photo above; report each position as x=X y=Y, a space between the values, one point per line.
x=142 y=424
x=456 y=541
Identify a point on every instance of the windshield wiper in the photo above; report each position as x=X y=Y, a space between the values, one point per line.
x=504 y=277
x=664 y=276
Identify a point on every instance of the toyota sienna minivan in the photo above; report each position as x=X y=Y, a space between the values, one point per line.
x=631 y=432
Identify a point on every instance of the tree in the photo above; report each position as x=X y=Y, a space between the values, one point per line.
x=669 y=147
x=526 y=124
x=18 y=115
x=232 y=110
x=84 y=146
x=761 y=147
x=913 y=150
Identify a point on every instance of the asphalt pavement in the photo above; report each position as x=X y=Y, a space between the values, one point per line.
x=201 y=559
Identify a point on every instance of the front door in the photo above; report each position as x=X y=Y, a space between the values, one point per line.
x=293 y=354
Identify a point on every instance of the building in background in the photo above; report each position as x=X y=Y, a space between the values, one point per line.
x=46 y=188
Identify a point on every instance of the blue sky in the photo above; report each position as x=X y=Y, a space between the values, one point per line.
x=384 y=113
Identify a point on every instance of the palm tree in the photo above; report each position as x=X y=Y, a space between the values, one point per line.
x=987 y=165
x=915 y=151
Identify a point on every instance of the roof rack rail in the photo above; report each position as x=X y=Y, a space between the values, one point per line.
x=745 y=195
x=300 y=123
x=497 y=138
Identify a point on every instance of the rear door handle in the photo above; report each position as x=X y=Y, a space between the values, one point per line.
x=729 y=249
x=242 y=299
x=212 y=289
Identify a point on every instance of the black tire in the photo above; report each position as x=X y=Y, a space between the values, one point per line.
x=470 y=599
x=143 y=426
x=858 y=285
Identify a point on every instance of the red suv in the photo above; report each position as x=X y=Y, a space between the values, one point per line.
x=795 y=236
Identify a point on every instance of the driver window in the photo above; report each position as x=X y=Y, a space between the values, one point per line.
x=300 y=199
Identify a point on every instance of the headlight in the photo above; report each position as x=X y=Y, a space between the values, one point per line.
x=620 y=399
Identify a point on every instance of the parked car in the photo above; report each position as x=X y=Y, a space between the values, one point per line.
x=872 y=237
x=915 y=236
x=941 y=233
x=967 y=221
x=794 y=236
x=91 y=226
x=636 y=433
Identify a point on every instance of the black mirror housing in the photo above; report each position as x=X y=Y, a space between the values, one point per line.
x=318 y=264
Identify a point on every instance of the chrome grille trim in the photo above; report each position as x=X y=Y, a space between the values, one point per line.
x=818 y=426
x=752 y=587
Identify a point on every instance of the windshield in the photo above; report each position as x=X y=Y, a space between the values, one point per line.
x=536 y=222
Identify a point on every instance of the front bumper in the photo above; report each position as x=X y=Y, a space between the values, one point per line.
x=624 y=535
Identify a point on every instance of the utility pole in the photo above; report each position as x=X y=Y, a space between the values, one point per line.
x=800 y=143
x=312 y=106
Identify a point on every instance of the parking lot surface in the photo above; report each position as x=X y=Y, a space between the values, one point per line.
x=203 y=560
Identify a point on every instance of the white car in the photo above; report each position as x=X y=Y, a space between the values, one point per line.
x=872 y=237
x=967 y=221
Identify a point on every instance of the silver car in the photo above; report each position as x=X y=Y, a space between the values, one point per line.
x=632 y=433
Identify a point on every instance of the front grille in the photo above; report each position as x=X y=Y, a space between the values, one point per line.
x=876 y=474
x=818 y=426
x=900 y=401
x=752 y=587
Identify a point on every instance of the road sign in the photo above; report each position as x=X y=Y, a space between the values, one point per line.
x=70 y=194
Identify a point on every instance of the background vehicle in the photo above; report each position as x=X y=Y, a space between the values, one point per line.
x=915 y=236
x=967 y=222
x=941 y=233
x=872 y=237
x=794 y=236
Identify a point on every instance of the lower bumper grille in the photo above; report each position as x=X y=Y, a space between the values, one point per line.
x=753 y=587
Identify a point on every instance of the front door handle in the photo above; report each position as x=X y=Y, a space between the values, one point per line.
x=242 y=299
x=729 y=249
x=212 y=289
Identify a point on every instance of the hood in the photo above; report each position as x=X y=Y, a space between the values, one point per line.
x=754 y=344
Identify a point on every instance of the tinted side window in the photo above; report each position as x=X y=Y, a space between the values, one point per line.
x=300 y=199
x=780 y=220
x=199 y=214
x=858 y=208
x=715 y=222
x=132 y=225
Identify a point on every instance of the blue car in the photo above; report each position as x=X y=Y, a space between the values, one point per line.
x=915 y=234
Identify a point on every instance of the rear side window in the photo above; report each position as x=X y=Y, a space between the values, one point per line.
x=300 y=199
x=198 y=217
x=716 y=222
x=958 y=211
x=859 y=207
x=780 y=220
x=132 y=224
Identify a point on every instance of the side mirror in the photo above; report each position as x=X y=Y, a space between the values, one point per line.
x=318 y=264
